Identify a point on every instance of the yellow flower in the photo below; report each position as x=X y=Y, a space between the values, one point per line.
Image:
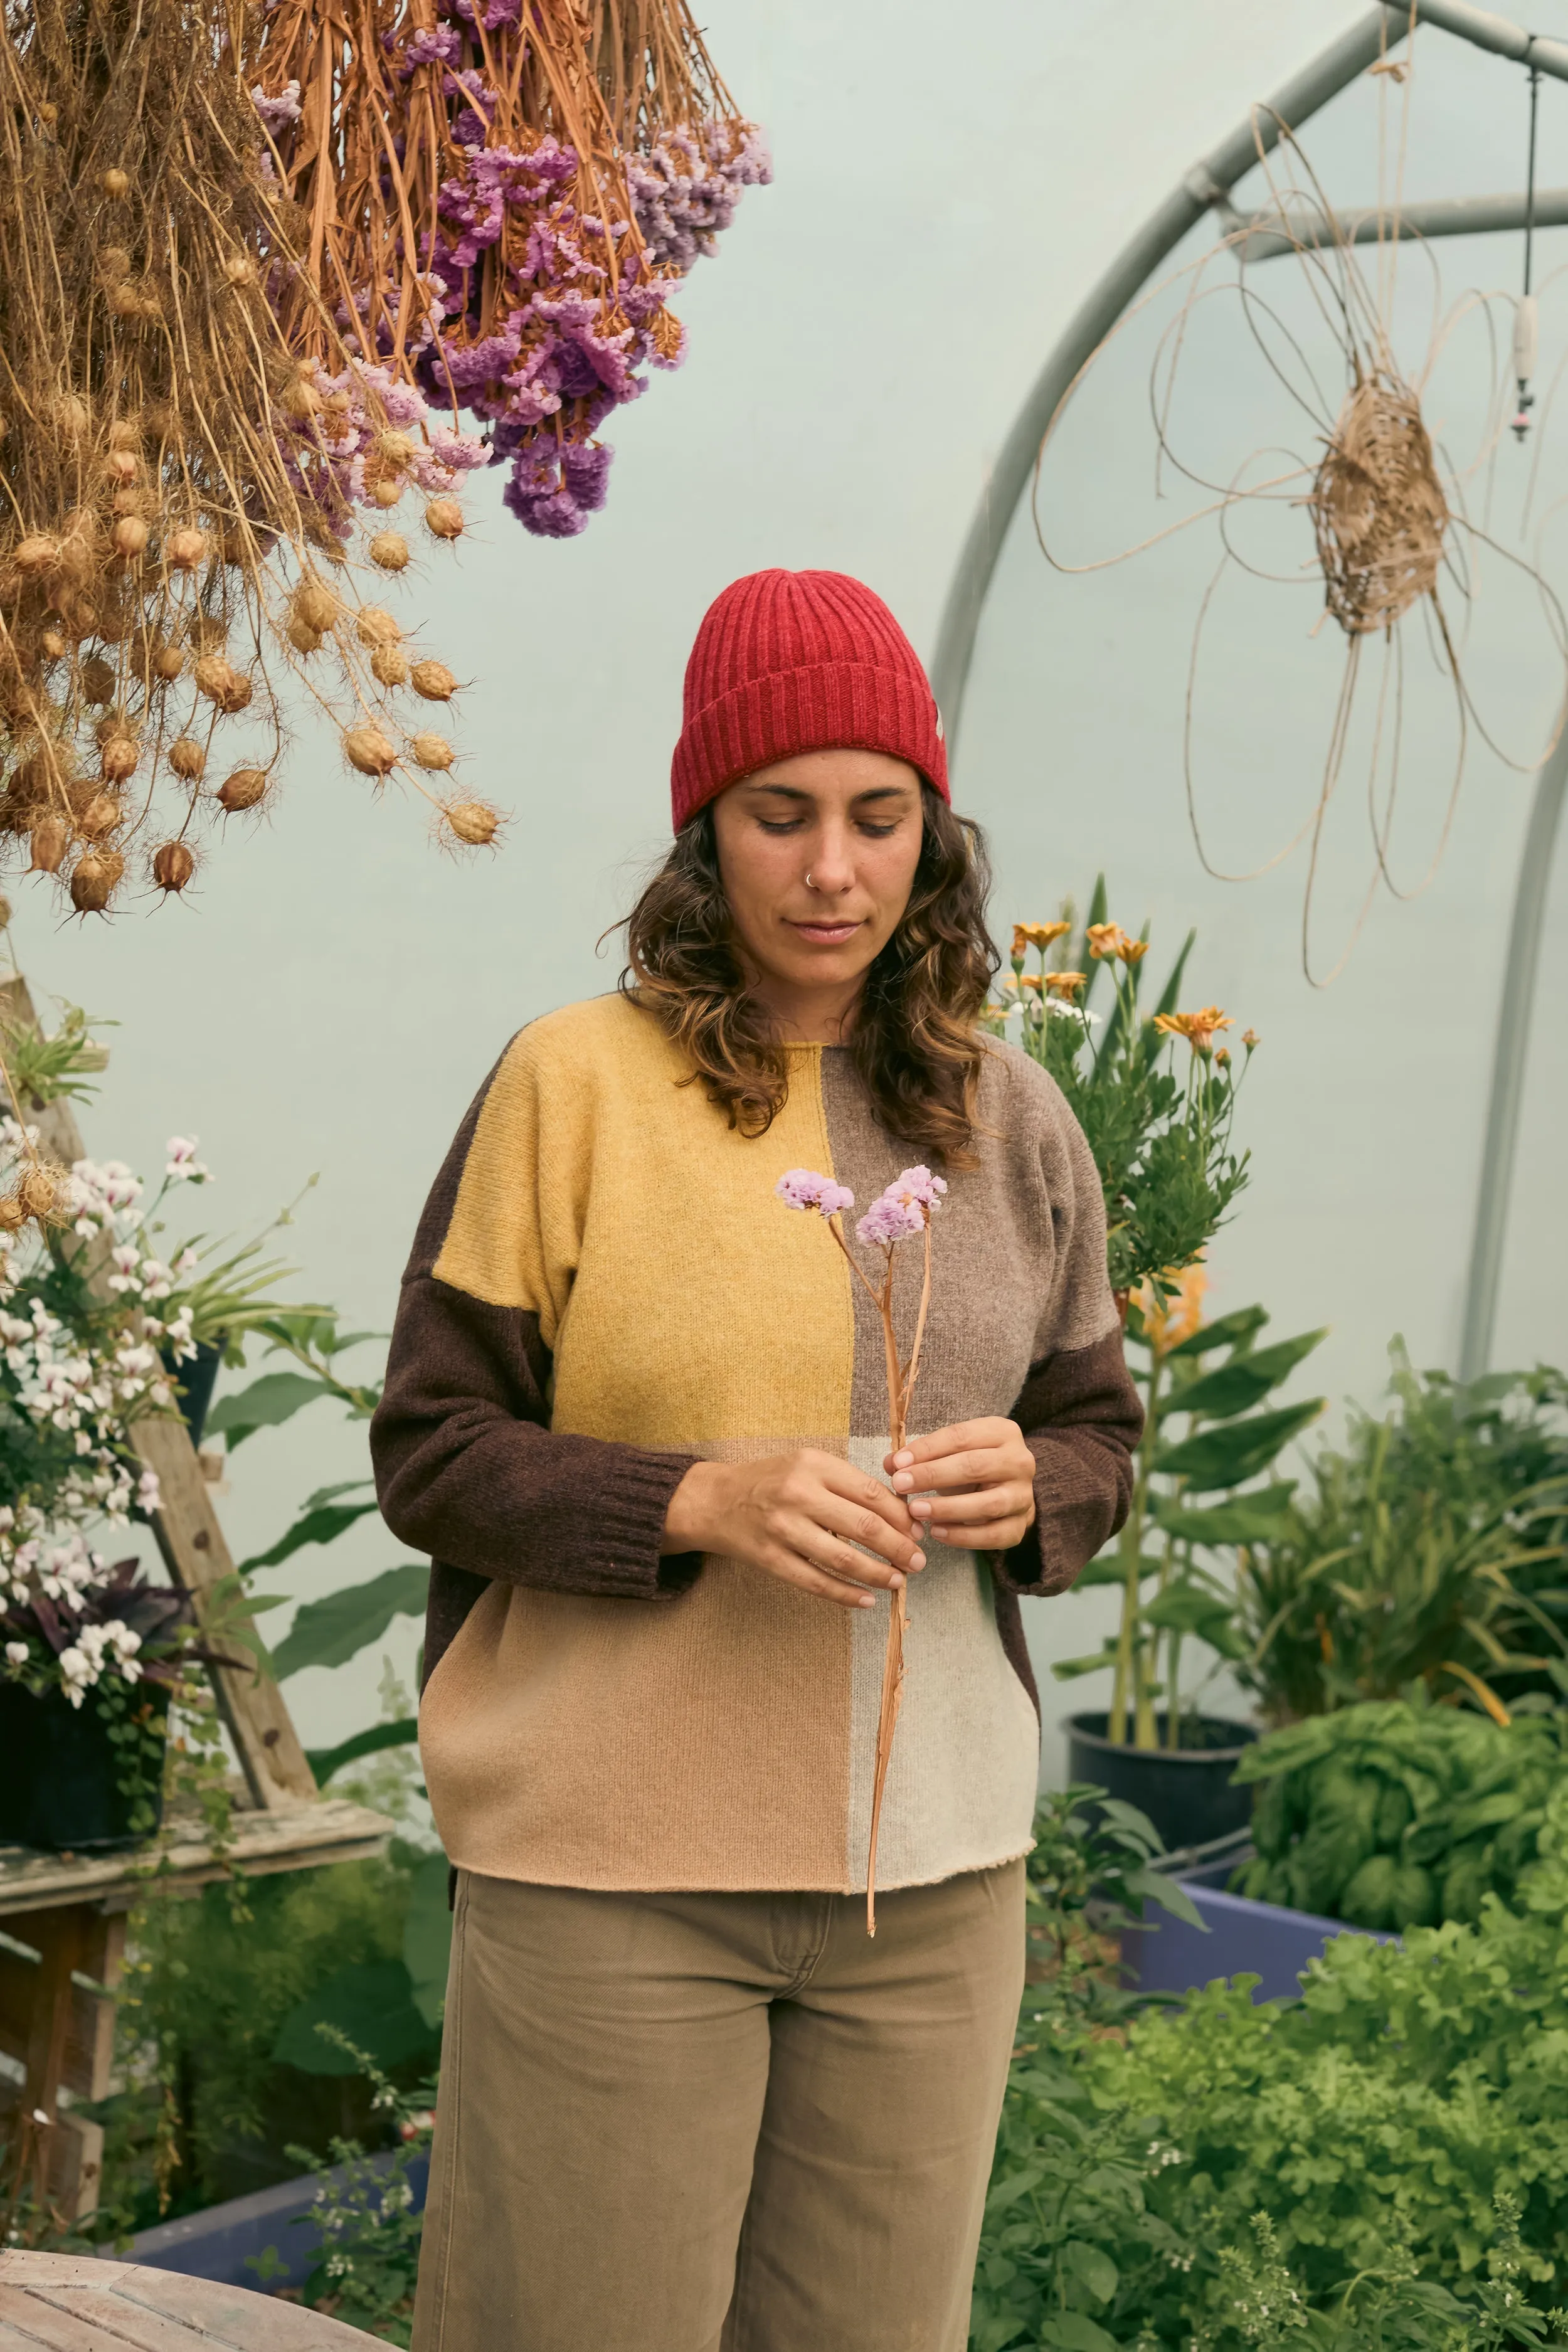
x=1222 y=1057
x=1065 y=983
x=1040 y=935
x=1131 y=951
x=1105 y=940
x=1034 y=979
x=1250 y=1038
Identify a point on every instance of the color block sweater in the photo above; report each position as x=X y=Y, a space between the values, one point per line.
x=604 y=1290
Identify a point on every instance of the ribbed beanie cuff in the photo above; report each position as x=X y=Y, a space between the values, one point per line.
x=799 y=661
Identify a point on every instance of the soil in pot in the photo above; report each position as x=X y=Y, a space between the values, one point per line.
x=62 y=1769
x=1185 y=1792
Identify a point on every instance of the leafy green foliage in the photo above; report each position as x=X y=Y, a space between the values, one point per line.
x=1230 y=1438
x=1384 y=2164
x=1432 y=1541
x=58 y=1068
x=371 y=1741
x=370 y=2233
x=329 y=1631
x=1394 y=1815
x=371 y=2007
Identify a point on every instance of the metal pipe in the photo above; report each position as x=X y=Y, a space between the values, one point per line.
x=1499 y=1143
x=1213 y=178
x=1485 y=31
x=1444 y=217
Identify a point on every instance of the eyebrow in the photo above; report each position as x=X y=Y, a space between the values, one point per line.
x=796 y=793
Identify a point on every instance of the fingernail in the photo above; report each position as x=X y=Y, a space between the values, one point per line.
x=903 y=1480
x=920 y=1510
x=901 y=1460
x=919 y=1560
x=866 y=1602
x=895 y=1581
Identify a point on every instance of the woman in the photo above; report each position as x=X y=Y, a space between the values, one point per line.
x=638 y=1413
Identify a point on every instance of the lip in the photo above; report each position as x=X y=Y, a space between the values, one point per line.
x=826 y=935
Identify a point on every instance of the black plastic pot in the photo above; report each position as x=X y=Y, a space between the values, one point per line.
x=197 y=1380
x=1185 y=1792
x=60 y=1772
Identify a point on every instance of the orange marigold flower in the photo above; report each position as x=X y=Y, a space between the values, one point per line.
x=1034 y=979
x=1250 y=1038
x=1065 y=983
x=1039 y=935
x=1131 y=951
x=1197 y=1028
x=1104 y=939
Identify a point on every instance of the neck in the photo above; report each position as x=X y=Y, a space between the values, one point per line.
x=810 y=1017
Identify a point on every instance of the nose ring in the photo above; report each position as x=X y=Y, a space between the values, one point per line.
x=809 y=883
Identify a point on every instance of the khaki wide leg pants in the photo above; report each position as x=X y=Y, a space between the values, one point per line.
x=717 y=2123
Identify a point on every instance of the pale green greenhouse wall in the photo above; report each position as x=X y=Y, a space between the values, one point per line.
x=334 y=990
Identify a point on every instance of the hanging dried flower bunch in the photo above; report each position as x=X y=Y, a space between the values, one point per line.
x=253 y=266
x=182 y=488
x=496 y=204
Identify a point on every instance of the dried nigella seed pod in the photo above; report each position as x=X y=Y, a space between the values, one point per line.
x=246 y=789
x=369 y=750
x=431 y=752
x=172 y=866
x=187 y=759
x=474 y=822
x=434 y=680
x=93 y=884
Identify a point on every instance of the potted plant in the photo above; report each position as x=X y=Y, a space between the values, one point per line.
x=1158 y=1124
x=93 y=1657
x=95 y=1319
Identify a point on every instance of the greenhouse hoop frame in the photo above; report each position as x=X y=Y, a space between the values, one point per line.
x=1205 y=188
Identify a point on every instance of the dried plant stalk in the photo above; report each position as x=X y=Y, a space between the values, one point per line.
x=170 y=471
x=1377 y=509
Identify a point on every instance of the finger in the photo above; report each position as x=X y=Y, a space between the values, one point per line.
x=790 y=1568
x=858 y=1525
x=986 y=1434
x=1004 y=1502
x=859 y=1486
x=818 y=1544
x=997 y=1535
x=991 y=1467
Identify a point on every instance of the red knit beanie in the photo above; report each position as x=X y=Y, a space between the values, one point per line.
x=799 y=661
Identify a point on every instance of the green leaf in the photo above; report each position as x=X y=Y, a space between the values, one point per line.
x=1231 y=1331
x=1108 y=1570
x=1169 y=1892
x=1237 y=1450
x=329 y=1494
x=325 y=1761
x=1067 y=1670
x=1260 y=1518
x=1073 y=2331
x=275 y=1396
x=1096 y=2270
x=372 y=2004
x=329 y=1631
x=1245 y=1381
x=1184 y=1608
x=427 y=1936
x=323 y=1527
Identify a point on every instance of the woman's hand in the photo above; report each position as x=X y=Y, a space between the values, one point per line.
x=975 y=1484
x=800 y=1516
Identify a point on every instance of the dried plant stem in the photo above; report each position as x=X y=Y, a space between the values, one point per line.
x=901 y=1389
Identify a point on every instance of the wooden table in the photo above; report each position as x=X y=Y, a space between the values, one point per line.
x=66 y=2305
x=62 y=1943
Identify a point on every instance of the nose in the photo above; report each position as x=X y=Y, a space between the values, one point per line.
x=830 y=869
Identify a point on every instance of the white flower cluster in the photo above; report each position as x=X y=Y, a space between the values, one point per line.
x=97 y=1647
x=59 y=1380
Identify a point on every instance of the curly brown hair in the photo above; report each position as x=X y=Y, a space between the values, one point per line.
x=914 y=1042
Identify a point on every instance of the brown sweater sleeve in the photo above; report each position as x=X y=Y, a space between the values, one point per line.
x=1079 y=1409
x=468 y=1469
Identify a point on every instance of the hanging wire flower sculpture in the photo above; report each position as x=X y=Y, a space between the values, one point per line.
x=255 y=266
x=1395 y=547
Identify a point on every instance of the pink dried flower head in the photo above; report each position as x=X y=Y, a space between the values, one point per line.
x=904 y=1209
x=890 y=1220
x=803 y=1188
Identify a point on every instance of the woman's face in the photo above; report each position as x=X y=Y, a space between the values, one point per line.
x=817 y=854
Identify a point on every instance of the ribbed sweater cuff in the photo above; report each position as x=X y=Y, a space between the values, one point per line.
x=619 y=1555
